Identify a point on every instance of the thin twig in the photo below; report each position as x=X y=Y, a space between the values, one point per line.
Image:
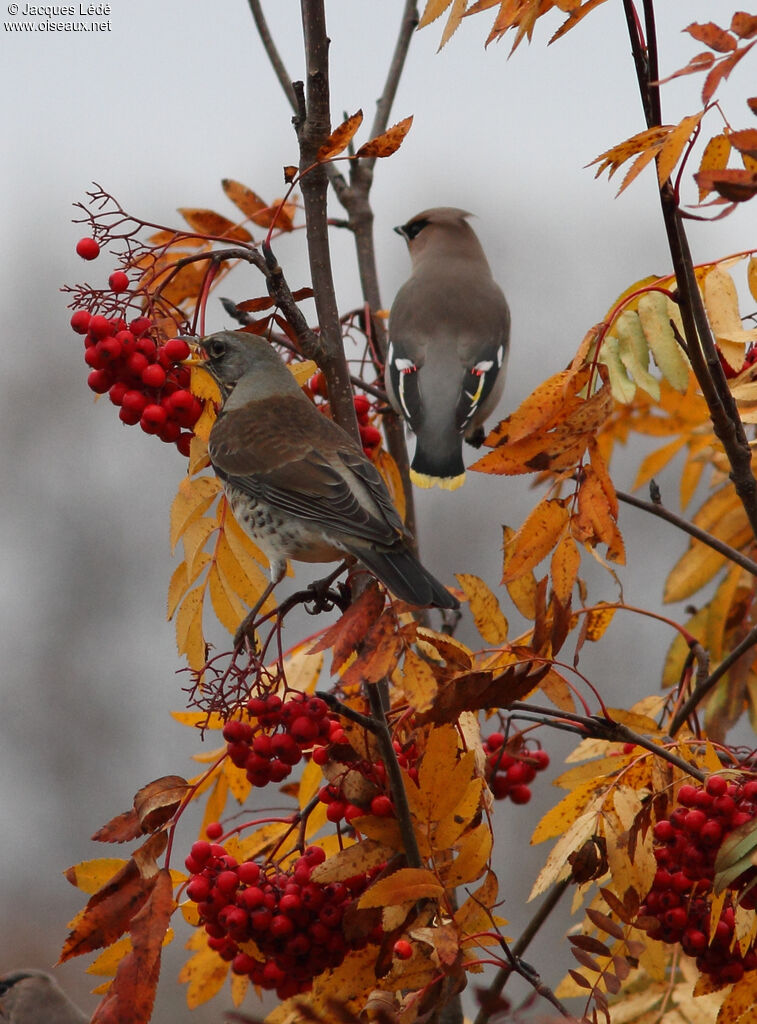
x=694 y=531
x=701 y=690
x=519 y=948
x=272 y=52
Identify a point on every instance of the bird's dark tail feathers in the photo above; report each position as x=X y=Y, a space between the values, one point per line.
x=407 y=579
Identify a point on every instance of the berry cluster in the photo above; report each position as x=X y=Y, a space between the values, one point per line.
x=677 y=907
x=295 y=923
x=370 y=436
x=359 y=787
x=284 y=731
x=509 y=774
x=146 y=381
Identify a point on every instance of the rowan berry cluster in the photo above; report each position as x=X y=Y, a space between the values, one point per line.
x=509 y=774
x=677 y=907
x=295 y=922
x=359 y=787
x=146 y=381
x=285 y=730
x=370 y=436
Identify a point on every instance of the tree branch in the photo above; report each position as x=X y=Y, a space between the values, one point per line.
x=701 y=690
x=694 y=531
x=272 y=53
x=548 y=904
x=312 y=131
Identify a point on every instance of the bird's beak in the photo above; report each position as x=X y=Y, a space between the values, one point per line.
x=400 y=229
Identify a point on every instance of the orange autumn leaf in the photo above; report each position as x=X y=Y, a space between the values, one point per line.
x=485 y=609
x=536 y=537
x=340 y=138
x=252 y=206
x=131 y=996
x=714 y=158
x=208 y=222
x=388 y=142
x=563 y=569
x=404 y=886
x=378 y=655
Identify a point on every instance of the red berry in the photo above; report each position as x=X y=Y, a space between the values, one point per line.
x=370 y=437
x=176 y=350
x=184 y=442
x=153 y=418
x=317 y=385
x=118 y=281
x=402 y=949
x=128 y=416
x=140 y=325
x=80 y=321
x=153 y=376
x=136 y=364
x=198 y=889
x=382 y=806
x=201 y=850
x=134 y=402
x=214 y=830
x=87 y=248
x=117 y=392
x=99 y=381
x=500 y=787
x=520 y=794
x=109 y=349
x=695 y=819
x=362 y=406
x=495 y=741
x=541 y=759
x=170 y=432
x=687 y=795
x=717 y=785
x=303 y=730
x=99 y=327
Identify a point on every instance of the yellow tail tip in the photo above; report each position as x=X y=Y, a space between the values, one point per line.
x=447 y=483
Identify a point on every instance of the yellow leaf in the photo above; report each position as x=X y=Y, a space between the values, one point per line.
x=227 y=606
x=355 y=860
x=106 y=964
x=536 y=537
x=673 y=146
x=92 y=875
x=563 y=569
x=752 y=276
x=194 y=538
x=176 y=588
x=597 y=621
x=454 y=21
x=472 y=917
x=714 y=158
x=654 y=315
x=474 y=850
x=189 y=636
x=562 y=816
x=192 y=499
x=556 y=689
x=207 y=222
x=653 y=463
x=245 y=577
x=571 y=839
x=418 y=682
x=405 y=886
x=622 y=387
x=700 y=563
x=433 y=10
x=239 y=784
x=522 y=590
x=204 y=974
x=485 y=609
x=722 y=304
x=451 y=826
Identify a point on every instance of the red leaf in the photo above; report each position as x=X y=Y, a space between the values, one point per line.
x=713 y=36
x=736 y=186
x=349 y=631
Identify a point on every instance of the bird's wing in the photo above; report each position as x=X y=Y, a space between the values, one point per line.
x=301 y=463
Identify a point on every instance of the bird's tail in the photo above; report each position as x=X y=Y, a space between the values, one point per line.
x=436 y=464
x=402 y=573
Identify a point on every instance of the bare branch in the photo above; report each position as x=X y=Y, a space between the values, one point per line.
x=272 y=53
x=694 y=531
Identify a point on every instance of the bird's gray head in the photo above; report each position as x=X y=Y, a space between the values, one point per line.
x=450 y=215
x=232 y=355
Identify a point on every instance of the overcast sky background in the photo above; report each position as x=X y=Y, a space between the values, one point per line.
x=173 y=98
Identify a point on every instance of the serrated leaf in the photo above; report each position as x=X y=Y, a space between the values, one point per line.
x=249 y=202
x=404 y=886
x=388 y=142
x=354 y=860
x=672 y=148
x=485 y=609
x=714 y=158
x=189 y=636
x=474 y=851
x=340 y=138
x=208 y=222
x=418 y=682
x=194 y=497
x=537 y=536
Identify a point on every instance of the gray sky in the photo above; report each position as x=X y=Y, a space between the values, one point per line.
x=158 y=108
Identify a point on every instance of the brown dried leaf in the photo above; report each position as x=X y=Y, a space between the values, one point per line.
x=352 y=628
x=252 y=206
x=157 y=802
x=379 y=653
x=108 y=913
x=537 y=536
x=713 y=36
x=733 y=184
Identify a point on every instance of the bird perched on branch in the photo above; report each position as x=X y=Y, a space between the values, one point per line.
x=296 y=482
x=34 y=997
x=449 y=330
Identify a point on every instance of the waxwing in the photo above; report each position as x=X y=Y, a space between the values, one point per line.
x=296 y=482
x=34 y=997
x=449 y=330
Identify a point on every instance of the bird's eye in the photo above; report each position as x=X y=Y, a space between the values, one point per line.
x=216 y=349
x=413 y=229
